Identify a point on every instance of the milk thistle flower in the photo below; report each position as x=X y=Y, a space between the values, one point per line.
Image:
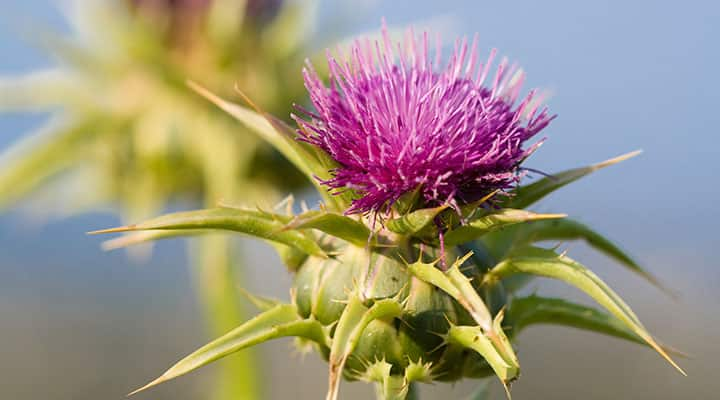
x=430 y=145
x=452 y=131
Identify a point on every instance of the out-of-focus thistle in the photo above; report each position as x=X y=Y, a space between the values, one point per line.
x=410 y=271
x=127 y=132
x=130 y=137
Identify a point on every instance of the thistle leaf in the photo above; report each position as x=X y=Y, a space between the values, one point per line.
x=515 y=282
x=41 y=156
x=491 y=222
x=39 y=90
x=253 y=223
x=135 y=238
x=290 y=148
x=281 y=137
x=414 y=222
x=534 y=310
x=546 y=263
x=525 y=196
x=280 y=321
x=333 y=224
x=569 y=229
x=353 y=320
x=261 y=302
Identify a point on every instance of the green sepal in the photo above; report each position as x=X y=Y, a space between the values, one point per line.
x=546 y=263
x=408 y=201
x=472 y=337
x=426 y=313
x=492 y=221
x=388 y=386
x=419 y=371
x=527 y=195
x=414 y=222
x=279 y=321
x=249 y=222
x=353 y=321
x=471 y=208
x=455 y=284
x=306 y=284
x=458 y=286
x=379 y=341
x=334 y=224
x=330 y=295
x=322 y=286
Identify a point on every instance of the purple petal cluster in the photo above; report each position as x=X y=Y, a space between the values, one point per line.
x=397 y=120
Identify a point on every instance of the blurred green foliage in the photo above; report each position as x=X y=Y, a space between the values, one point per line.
x=128 y=132
x=128 y=136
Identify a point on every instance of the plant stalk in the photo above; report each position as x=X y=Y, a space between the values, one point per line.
x=215 y=277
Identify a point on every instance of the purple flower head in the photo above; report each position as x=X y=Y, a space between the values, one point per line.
x=454 y=132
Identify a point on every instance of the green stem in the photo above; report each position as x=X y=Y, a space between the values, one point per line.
x=216 y=278
x=395 y=387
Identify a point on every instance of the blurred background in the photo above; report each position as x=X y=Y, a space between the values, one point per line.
x=80 y=323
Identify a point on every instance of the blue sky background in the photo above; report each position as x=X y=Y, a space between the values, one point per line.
x=625 y=76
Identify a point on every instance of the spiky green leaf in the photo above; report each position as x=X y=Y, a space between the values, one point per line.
x=309 y=161
x=40 y=90
x=547 y=263
x=42 y=155
x=334 y=224
x=534 y=310
x=493 y=221
x=280 y=321
x=566 y=229
x=249 y=222
x=525 y=196
x=135 y=238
